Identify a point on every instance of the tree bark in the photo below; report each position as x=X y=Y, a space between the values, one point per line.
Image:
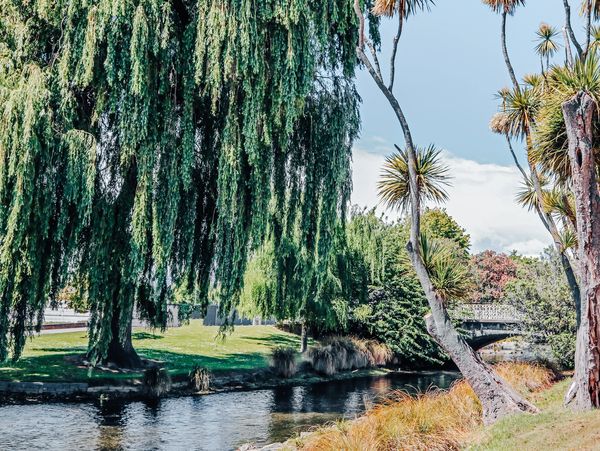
x=511 y=71
x=121 y=353
x=303 y=339
x=579 y=113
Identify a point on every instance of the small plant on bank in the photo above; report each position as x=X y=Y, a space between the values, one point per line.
x=283 y=361
x=157 y=381
x=199 y=379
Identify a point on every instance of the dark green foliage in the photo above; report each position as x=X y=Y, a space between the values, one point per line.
x=437 y=223
x=149 y=143
x=393 y=307
x=542 y=294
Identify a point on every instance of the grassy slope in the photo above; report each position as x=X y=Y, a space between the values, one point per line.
x=555 y=428
x=182 y=348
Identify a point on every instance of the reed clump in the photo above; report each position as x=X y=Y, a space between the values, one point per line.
x=199 y=379
x=437 y=420
x=335 y=354
x=284 y=361
x=156 y=381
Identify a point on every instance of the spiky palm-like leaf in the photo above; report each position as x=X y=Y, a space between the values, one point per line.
x=595 y=38
x=432 y=177
x=521 y=106
x=593 y=5
x=560 y=204
x=449 y=274
x=551 y=150
x=568 y=239
x=504 y=6
x=403 y=7
x=527 y=195
x=534 y=81
x=547 y=46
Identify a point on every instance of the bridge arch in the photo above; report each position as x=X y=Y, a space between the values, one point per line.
x=487 y=323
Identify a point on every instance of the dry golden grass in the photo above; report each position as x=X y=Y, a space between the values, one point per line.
x=438 y=420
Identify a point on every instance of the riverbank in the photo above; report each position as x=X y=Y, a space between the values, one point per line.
x=555 y=428
x=438 y=420
x=134 y=389
x=56 y=358
x=52 y=368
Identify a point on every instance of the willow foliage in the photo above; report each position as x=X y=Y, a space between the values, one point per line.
x=151 y=142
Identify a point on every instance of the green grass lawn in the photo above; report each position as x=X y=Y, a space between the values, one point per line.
x=556 y=427
x=248 y=347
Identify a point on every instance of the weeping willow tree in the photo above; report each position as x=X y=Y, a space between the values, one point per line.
x=301 y=270
x=147 y=143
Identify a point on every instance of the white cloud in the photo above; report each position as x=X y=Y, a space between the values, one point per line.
x=482 y=200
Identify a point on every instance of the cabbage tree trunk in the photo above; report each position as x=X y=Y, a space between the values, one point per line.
x=497 y=398
x=579 y=113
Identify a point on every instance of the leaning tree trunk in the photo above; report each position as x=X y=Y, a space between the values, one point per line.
x=579 y=113
x=496 y=396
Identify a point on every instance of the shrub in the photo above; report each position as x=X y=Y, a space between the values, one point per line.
x=283 y=361
x=199 y=379
x=157 y=381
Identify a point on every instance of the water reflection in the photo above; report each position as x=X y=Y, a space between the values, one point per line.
x=216 y=422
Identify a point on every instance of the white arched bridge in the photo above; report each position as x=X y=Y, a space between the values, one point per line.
x=488 y=323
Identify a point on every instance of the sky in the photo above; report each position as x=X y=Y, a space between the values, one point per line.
x=449 y=68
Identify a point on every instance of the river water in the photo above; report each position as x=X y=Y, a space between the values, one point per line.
x=216 y=422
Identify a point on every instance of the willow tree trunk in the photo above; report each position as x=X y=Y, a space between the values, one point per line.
x=579 y=113
x=303 y=338
x=121 y=352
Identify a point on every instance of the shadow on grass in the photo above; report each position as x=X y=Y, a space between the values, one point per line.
x=57 y=368
x=276 y=340
x=146 y=336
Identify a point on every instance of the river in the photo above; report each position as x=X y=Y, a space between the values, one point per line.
x=215 y=422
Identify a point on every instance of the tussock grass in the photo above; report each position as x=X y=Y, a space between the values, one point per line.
x=437 y=420
x=283 y=361
x=347 y=353
x=157 y=381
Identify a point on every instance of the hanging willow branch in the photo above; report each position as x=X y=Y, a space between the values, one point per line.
x=150 y=143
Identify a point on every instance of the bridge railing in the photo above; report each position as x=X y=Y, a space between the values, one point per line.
x=486 y=312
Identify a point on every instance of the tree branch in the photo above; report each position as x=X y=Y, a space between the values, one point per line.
x=375 y=59
x=570 y=30
x=394 y=52
x=361 y=27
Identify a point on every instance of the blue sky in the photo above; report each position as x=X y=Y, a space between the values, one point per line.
x=449 y=68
